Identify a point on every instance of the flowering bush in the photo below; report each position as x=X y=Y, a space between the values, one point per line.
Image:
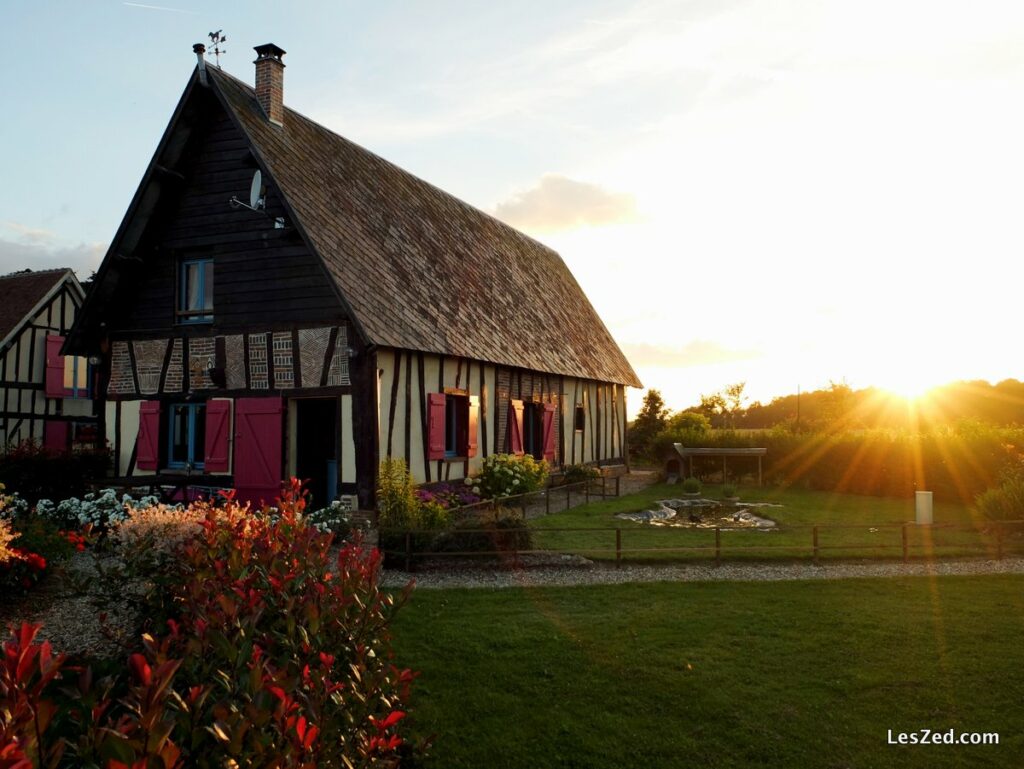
x=506 y=474
x=278 y=656
x=580 y=473
x=37 y=472
x=100 y=510
x=333 y=518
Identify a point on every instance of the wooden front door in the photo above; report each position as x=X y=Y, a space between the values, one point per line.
x=258 y=449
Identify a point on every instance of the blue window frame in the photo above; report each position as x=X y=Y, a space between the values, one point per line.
x=77 y=376
x=195 y=291
x=186 y=435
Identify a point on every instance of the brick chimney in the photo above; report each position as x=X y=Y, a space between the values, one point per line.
x=270 y=81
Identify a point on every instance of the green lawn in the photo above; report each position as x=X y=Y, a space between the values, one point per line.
x=800 y=510
x=798 y=674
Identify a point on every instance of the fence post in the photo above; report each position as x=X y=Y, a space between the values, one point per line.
x=408 y=550
x=522 y=501
x=568 y=496
x=617 y=479
x=547 y=501
x=586 y=492
x=718 y=546
x=906 y=543
x=604 y=486
x=618 y=547
x=999 y=542
x=815 y=534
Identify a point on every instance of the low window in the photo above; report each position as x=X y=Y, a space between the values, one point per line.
x=195 y=291
x=456 y=410
x=580 y=419
x=186 y=435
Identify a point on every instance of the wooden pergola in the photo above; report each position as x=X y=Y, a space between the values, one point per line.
x=689 y=453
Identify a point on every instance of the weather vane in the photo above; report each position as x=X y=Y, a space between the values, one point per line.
x=216 y=38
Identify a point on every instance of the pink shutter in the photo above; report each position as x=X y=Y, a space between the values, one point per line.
x=54 y=367
x=515 y=427
x=472 y=425
x=216 y=457
x=258 y=449
x=147 y=445
x=435 y=425
x=548 y=431
x=55 y=435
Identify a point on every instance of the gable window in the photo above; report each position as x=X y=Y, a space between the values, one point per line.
x=76 y=376
x=67 y=376
x=186 y=435
x=195 y=291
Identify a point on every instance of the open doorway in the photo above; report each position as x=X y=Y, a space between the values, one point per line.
x=533 y=430
x=316 y=447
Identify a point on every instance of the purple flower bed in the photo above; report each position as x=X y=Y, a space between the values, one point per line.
x=448 y=495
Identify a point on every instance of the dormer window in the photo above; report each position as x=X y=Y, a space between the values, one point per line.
x=195 y=291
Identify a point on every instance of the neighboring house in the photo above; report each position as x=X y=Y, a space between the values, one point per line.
x=350 y=313
x=44 y=397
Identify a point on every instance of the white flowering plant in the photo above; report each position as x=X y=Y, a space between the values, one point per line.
x=101 y=510
x=506 y=474
x=333 y=518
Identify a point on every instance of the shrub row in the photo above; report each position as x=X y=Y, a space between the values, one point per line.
x=954 y=463
x=265 y=650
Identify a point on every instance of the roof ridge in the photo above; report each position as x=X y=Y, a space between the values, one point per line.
x=455 y=198
x=29 y=271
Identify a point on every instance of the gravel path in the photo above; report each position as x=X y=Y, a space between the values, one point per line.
x=70 y=620
x=572 y=572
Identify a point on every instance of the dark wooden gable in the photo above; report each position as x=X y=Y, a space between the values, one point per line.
x=262 y=275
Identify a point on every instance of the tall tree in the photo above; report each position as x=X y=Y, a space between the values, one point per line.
x=649 y=422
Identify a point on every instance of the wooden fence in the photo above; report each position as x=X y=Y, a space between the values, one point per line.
x=992 y=541
x=551 y=496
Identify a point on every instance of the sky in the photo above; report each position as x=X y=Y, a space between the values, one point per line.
x=783 y=193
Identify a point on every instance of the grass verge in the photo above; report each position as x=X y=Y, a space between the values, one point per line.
x=801 y=509
x=801 y=674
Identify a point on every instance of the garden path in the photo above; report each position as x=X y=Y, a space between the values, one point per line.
x=573 y=570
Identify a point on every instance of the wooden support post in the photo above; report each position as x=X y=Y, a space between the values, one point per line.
x=815 y=534
x=408 y=550
x=906 y=544
x=618 y=547
x=718 y=546
x=618 y=491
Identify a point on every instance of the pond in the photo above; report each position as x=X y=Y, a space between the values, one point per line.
x=702 y=513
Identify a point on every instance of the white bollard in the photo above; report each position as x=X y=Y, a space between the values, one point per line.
x=924 y=507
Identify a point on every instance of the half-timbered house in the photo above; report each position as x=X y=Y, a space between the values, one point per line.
x=280 y=301
x=44 y=397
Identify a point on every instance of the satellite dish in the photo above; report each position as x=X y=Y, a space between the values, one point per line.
x=256 y=191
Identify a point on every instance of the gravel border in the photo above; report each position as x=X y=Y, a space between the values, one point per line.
x=565 y=576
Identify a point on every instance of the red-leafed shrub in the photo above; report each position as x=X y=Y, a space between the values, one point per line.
x=278 y=656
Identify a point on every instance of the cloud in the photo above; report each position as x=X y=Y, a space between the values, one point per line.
x=31 y=234
x=82 y=258
x=559 y=203
x=697 y=353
